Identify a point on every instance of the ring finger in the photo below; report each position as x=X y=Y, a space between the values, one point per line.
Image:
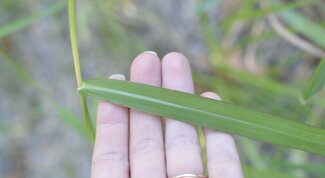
x=222 y=156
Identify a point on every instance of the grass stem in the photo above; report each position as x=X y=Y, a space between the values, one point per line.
x=76 y=62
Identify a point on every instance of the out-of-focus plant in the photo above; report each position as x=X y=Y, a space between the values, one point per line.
x=203 y=112
x=256 y=86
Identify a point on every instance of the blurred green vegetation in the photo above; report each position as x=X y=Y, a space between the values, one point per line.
x=255 y=53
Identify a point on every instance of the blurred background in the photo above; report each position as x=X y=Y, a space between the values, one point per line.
x=255 y=53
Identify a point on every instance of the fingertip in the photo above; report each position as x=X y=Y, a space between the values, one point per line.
x=175 y=61
x=176 y=72
x=175 y=55
x=146 y=68
x=145 y=60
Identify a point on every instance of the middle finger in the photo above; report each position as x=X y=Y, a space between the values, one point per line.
x=183 y=152
x=147 y=157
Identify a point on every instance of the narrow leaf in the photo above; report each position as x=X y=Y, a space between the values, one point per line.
x=316 y=81
x=298 y=23
x=208 y=113
x=71 y=120
x=18 y=24
x=63 y=113
x=308 y=167
x=258 y=173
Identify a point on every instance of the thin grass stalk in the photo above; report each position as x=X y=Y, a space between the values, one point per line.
x=76 y=62
x=62 y=112
x=16 y=25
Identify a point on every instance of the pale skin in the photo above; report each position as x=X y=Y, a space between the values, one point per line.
x=133 y=144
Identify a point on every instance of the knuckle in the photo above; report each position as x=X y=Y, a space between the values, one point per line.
x=110 y=156
x=181 y=141
x=112 y=118
x=146 y=144
x=223 y=158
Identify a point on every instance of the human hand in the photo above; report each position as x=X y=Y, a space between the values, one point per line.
x=133 y=144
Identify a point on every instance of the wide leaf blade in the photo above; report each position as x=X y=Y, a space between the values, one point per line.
x=208 y=113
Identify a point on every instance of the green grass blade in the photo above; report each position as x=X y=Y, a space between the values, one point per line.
x=298 y=23
x=251 y=151
x=316 y=82
x=4 y=128
x=258 y=173
x=62 y=112
x=72 y=120
x=14 y=26
x=208 y=113
x=248 y=10
x=309 y=167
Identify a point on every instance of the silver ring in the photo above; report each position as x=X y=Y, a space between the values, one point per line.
x=190 y=176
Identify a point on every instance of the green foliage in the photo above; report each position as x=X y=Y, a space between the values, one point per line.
x=302 y=25
x=248 y=10
x=208 y=113
x=258 y=173
x=273 y=91
x=72 y=120
x=312 y=168
x=62 y=112
x=316 y=82
x=19 y=24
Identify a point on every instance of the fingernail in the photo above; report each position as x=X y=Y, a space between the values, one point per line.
x=211 y=95
x=151 y=52
x=117 y=77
